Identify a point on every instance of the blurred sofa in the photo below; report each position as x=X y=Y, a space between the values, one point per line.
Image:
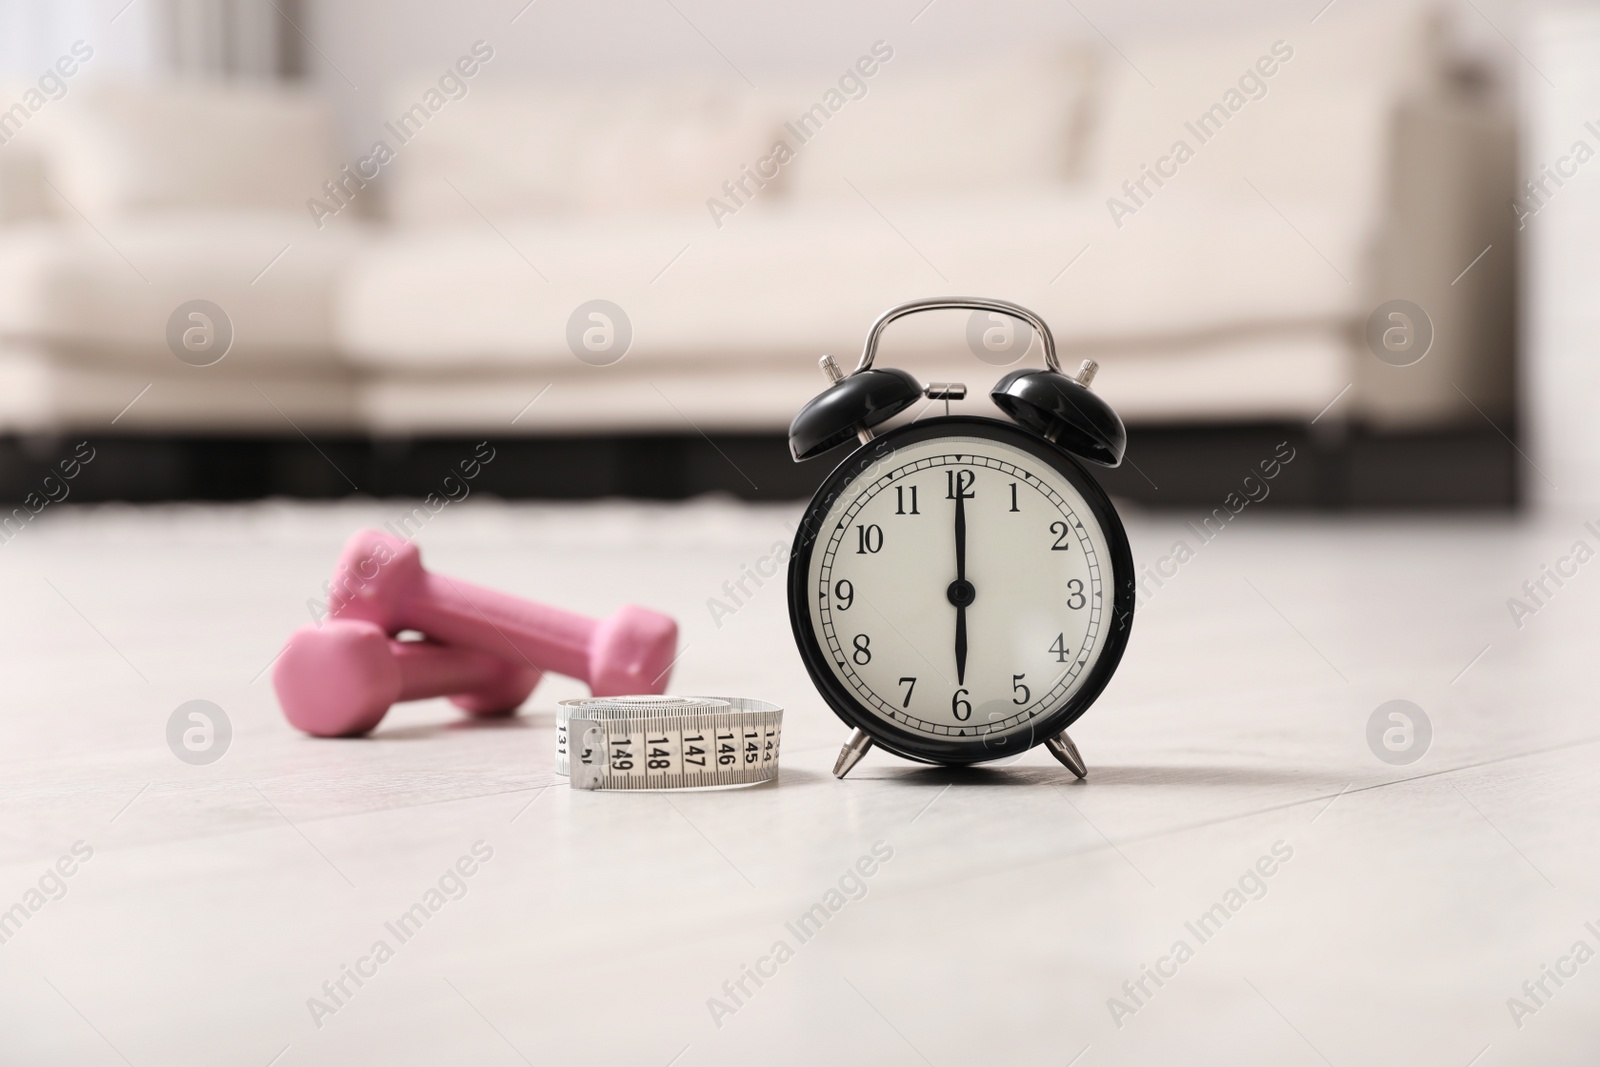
x=1370 y=162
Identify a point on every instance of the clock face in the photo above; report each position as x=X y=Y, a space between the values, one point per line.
x=961 y=590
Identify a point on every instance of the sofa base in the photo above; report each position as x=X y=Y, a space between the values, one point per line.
x=1168 y=467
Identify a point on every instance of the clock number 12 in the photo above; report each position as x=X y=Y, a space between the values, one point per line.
x=958 y=484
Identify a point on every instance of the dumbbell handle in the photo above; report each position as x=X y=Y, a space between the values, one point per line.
x=430 y=670
x=455 y=612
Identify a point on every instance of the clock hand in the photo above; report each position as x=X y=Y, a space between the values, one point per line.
x=961 y=645
x=961 y=535
x=961 y=584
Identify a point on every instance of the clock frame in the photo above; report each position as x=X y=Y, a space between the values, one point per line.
x=1118 y=585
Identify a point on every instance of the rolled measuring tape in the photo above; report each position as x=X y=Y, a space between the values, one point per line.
x=667 y=742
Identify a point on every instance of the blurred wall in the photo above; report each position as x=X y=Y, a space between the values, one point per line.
x=33 y=33
x=364 y=47
x=360 y=51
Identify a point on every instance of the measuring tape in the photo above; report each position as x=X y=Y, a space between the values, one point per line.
x=666 y=742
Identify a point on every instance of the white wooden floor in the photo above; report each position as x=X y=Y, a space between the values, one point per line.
x=219 y=899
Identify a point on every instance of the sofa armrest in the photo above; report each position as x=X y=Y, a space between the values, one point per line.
x=1452 y=167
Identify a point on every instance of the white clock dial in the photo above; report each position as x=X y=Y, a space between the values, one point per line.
x=979 y=655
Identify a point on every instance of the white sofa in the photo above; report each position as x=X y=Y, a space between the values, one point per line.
x=1238 y=291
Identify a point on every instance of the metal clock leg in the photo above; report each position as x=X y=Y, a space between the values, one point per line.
x=1062 y=748
x=851 y=754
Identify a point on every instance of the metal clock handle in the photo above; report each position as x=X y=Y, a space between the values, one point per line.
x=945 y=303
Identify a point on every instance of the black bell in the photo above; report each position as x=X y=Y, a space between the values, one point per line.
x=1063 y=410
x=856 y=401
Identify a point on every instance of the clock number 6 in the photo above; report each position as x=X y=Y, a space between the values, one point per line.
x=960 y=708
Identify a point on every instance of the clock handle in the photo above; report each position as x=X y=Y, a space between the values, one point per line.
x=944 y=303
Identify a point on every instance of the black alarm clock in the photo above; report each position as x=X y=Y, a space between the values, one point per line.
x=960 y=587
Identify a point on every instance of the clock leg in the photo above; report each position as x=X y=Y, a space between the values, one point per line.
x=851 y=754
x=1062 y=748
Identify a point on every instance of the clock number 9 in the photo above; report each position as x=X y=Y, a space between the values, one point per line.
x=844 y=593
x=863 y=653
x=960 y=708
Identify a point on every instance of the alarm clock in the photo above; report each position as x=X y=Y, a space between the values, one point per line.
x=960 y=587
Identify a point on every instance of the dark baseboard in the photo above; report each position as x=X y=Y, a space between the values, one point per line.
x=1332 y=469
x=1166 y=467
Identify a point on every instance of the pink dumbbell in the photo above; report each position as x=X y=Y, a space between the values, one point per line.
x=379 y=579
x=339 y=679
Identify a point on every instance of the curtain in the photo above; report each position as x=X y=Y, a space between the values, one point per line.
x=251 y=40
x=216 y=40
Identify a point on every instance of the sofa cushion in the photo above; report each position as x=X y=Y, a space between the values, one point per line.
x=22 y=188
x=1011 y=121
x=107 y=295
x=119 y=148
x=558 y=149
x=23 y=193
x=1302 y=113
